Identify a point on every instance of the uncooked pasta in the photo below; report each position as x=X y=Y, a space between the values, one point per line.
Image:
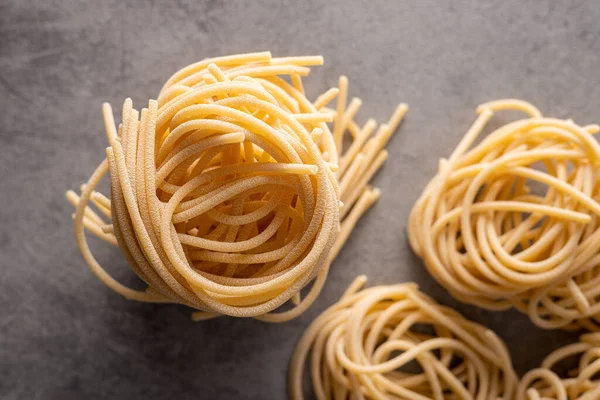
x=578 y=380
x=513 y=220
x=394 y=342
x=227 y=192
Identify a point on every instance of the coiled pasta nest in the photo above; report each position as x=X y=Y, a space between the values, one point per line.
x=513 y=220
x=227 y=192
x=395 y=342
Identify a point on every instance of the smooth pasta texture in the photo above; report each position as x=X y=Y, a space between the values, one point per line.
x=579 y=383
x=513 y=220
x=227 y=192
x=394 y=342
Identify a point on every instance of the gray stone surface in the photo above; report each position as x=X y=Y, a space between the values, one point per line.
x=63 y=335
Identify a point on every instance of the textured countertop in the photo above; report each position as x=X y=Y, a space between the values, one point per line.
x=63 y=335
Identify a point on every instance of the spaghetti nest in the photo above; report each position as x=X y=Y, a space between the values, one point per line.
x=580 y=383
x=513 y=221
x=395 y=342
x=226 y=190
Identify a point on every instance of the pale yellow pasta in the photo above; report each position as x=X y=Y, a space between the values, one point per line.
x=225 y=191
x=512 y=221
x=579 y=383
x=394 y=342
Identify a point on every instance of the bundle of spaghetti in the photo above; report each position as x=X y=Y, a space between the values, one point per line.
x=227 y=192
x=581 y=382
x=395 y=342
x=513 y=221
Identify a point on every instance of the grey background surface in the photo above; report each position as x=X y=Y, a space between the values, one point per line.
x=63 y=335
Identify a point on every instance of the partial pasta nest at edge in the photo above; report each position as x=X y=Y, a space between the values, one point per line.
x=395 y=342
